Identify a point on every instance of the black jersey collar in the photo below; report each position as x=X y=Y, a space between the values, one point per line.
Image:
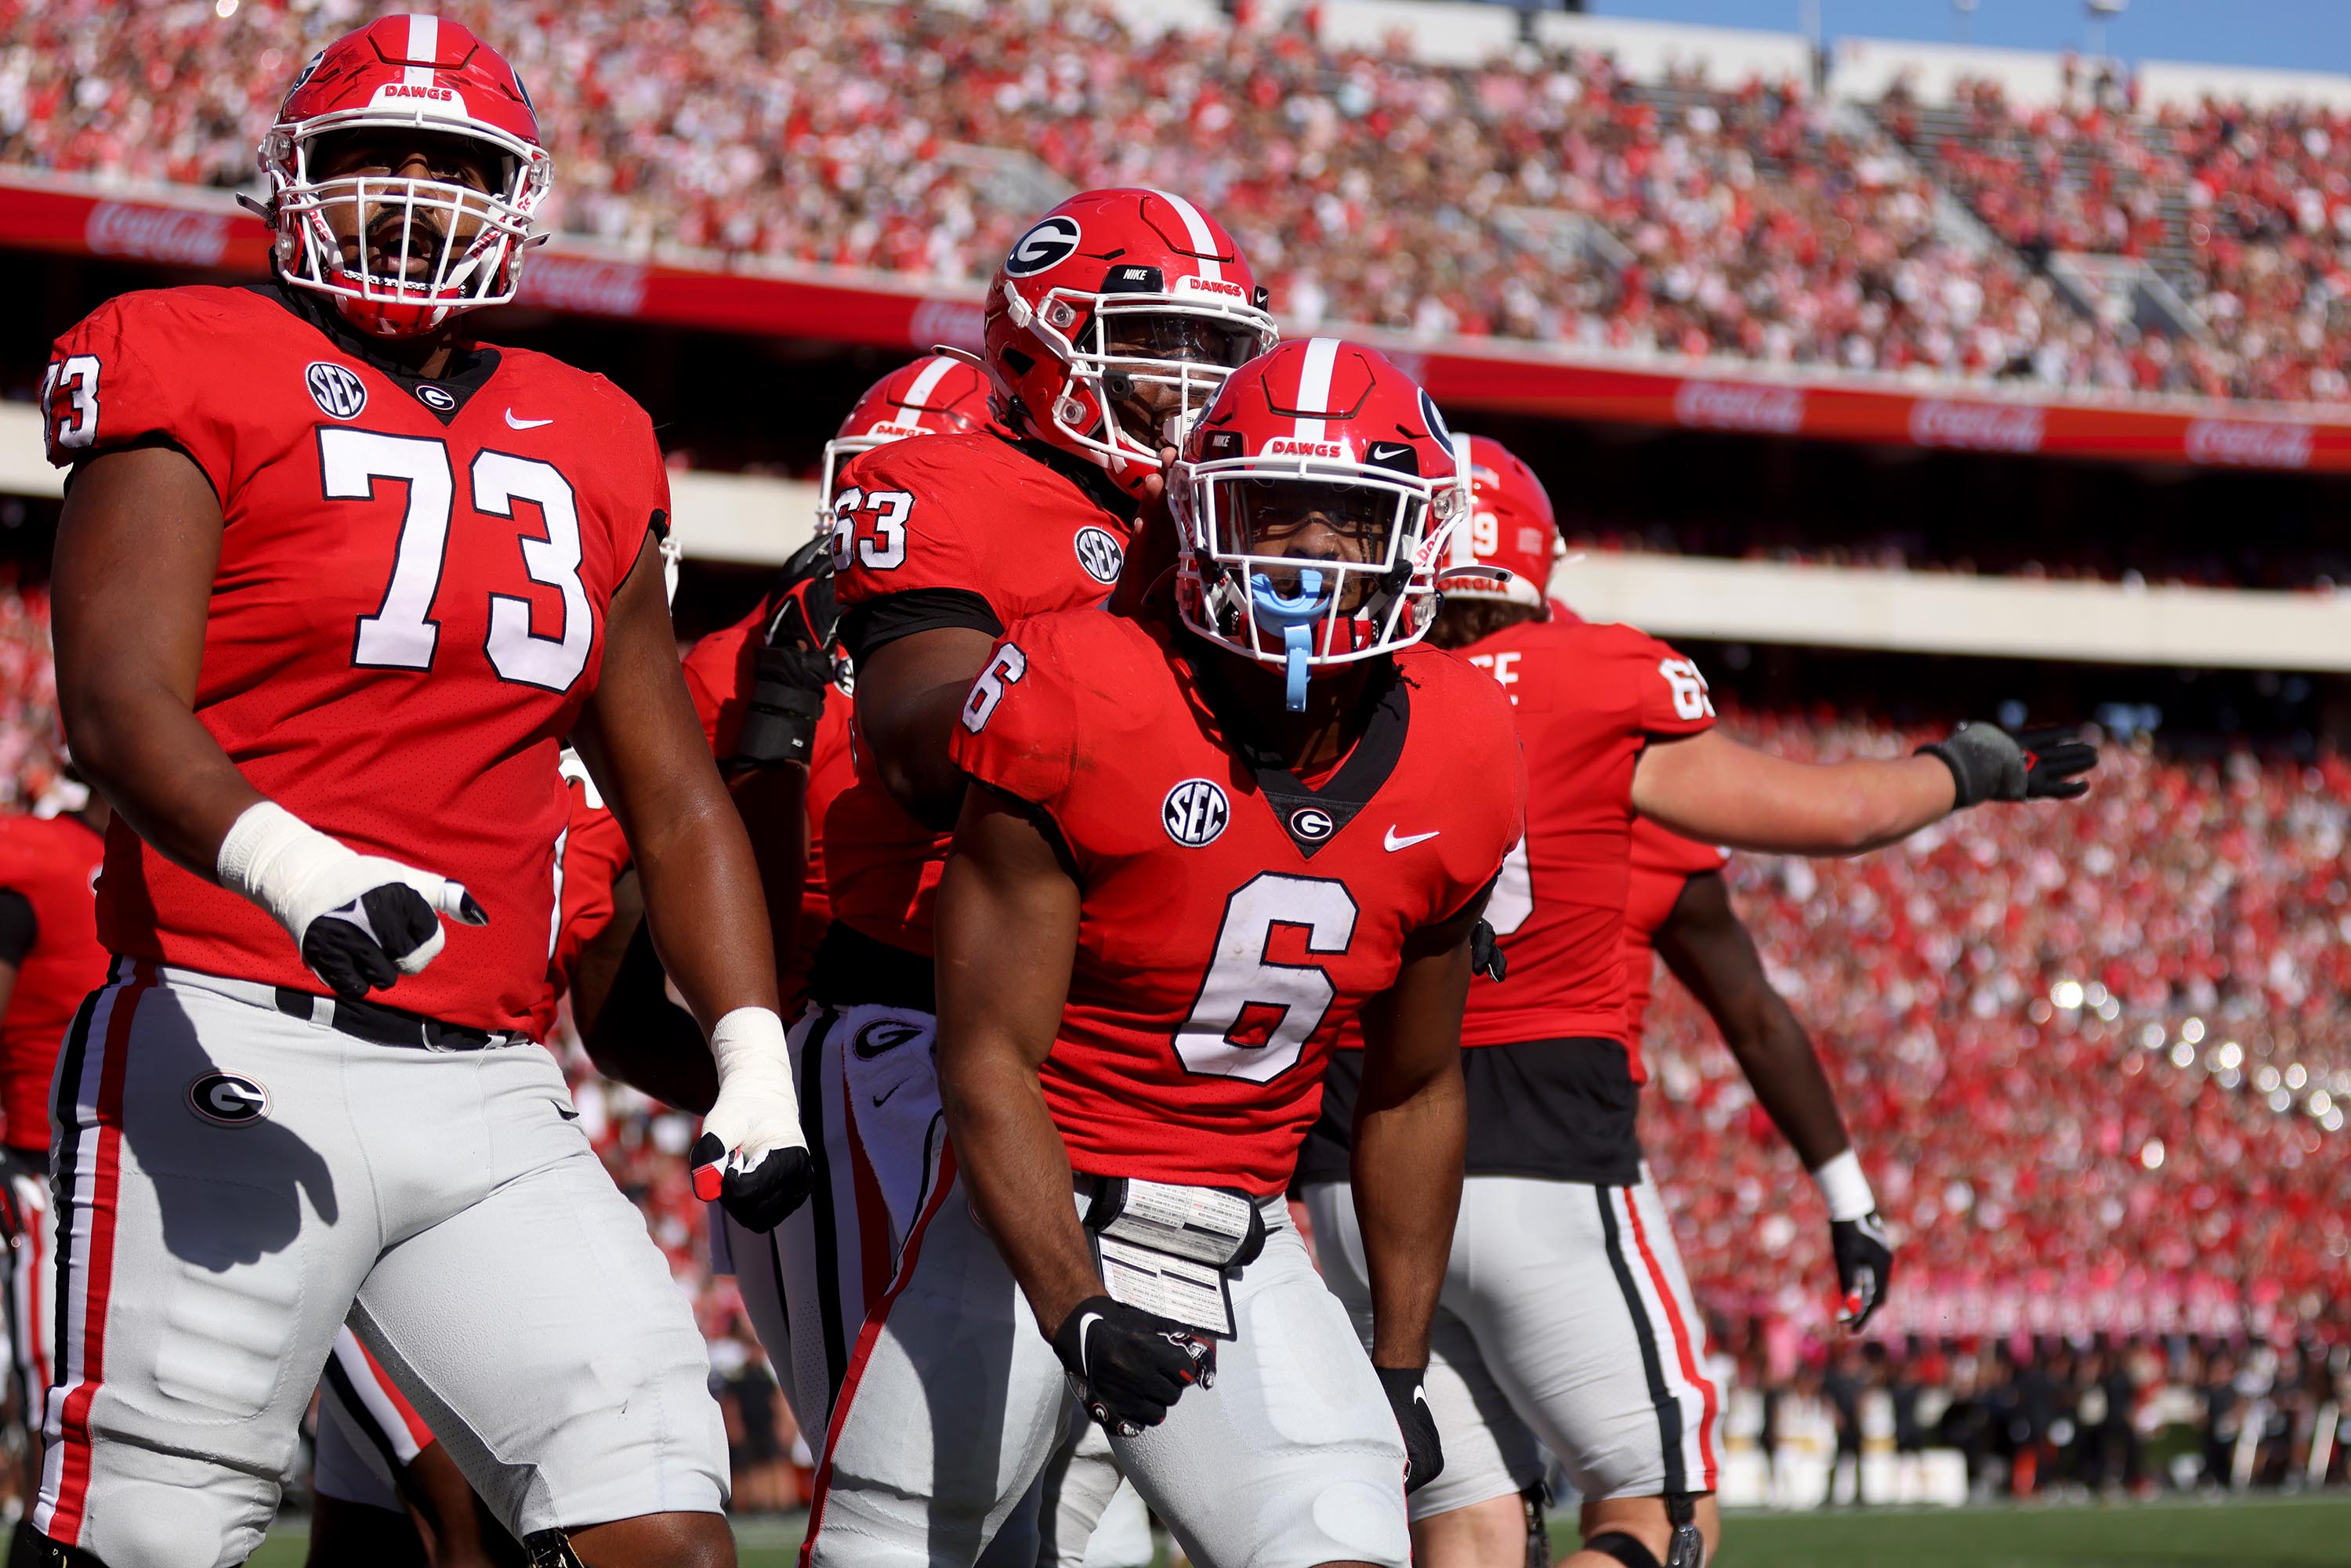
x=1087 y=476
x=444 y=397
x=1311 y=817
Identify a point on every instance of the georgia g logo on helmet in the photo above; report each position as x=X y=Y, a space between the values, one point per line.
x=1048 y=243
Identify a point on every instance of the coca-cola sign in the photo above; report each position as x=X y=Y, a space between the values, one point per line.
x=182 y=235
x=581 y=283
x=954 y=322
x=1976 y=427
x=2249 y=442
x=1738 y=405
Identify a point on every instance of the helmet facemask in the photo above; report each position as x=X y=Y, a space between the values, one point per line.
x=1303 y=564
x=401 y=254
x=1141 y=367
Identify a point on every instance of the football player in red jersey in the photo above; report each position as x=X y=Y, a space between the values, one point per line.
x=323 y=625
x=50 y=960
x=1566 y=1304
x=1206 y=838
x=1108 y=325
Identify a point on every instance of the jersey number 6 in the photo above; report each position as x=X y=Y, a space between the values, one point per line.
x=401 y=634
x=1255 y=1016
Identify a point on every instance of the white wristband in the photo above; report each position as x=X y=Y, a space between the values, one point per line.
x=1844 y=1189
x=269 y=854
x=750 y=1048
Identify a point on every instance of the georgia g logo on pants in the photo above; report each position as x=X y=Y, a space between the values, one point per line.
x=228 y=1100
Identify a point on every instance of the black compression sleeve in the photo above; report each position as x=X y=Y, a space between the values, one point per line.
x=18 y=927
x=880 y=622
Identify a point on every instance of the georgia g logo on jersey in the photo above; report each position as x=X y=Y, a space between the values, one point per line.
x=1101 y=555
x=1053 y=241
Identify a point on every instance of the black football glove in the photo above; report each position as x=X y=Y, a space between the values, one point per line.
x=1987 y=763
x=366 y=944
x=1864 y=1264
x=1130 y=1366
x=1424 y=1456
x=793 y=668
x=1485 y=955
x=801 y=606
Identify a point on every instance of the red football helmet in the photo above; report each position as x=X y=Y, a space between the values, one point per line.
x=1510 y=543
x=426 y=247
x=1113 y=320
x=938 y=396
x=1314 y=501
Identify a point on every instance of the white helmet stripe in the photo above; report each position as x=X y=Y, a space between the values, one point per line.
x=1211 y=269
x=423 y=44
x=927 y=381
x=1314 y=383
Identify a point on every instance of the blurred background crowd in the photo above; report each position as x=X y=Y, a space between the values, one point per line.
x=1541 y=194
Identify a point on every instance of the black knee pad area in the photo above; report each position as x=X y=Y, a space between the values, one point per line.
x=30 y=1549
x=1625 y=1548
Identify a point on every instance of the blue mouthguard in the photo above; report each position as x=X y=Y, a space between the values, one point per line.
x=1294 y=618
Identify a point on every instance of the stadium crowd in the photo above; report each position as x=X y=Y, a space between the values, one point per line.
x=2094 y=1061
x=1541 y=196
x=2256 y=203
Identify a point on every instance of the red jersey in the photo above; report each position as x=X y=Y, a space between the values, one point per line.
x=950 y=530
x=1663 y=863
x=1233 y=921
x=1587 y=698
x=718 y=678
x=407 y=617
x=589 y=859
x=50 y=863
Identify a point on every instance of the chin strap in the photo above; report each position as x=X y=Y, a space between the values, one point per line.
x=1294 y=618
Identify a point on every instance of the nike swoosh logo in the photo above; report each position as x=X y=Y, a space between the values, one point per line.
x=514 y=423
x=1382 y=450
x=1085 y=1325
x=880 y=1100
x=1395 y=844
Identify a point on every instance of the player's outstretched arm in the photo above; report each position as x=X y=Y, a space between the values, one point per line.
x=1707 y=948
x=909 y=691
x=1711 y=788
x=1007 y=936
x=1412 y=1130
x=644 y=747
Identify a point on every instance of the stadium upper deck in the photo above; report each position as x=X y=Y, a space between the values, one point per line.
x=1416 y=167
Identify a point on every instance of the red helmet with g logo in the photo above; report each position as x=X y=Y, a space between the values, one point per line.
x=426 y=248
x=1511 y=527
x=1113 y=321
x=1313 y=502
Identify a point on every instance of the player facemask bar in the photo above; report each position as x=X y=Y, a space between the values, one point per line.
x=1151 y=363
x=1301 y=569
x=426 y=247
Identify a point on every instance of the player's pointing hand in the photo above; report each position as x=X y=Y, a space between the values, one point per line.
x=360 y=921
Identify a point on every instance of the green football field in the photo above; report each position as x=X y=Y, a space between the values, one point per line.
x=2279 y=1533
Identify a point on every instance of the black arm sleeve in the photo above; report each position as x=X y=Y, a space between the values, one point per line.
x=880 y=622
x=18 y=927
